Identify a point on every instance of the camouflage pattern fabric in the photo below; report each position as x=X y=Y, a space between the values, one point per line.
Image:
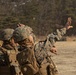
x=14 y=65
x=42 y=52
x=55 y=36
x=4 y=63
x=3 y=58
x=27 y=61
x=10 y=61
x=29 y=29
x=20 y=34
x=26 y=56
x=47 y=67
x=9 y=53
x=7 y=34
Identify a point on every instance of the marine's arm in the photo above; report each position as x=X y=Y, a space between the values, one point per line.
x=55 y=36
x=58 y=34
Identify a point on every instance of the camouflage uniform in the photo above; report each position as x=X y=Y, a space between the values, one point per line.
x=29 y=29
x=43 y=54
x=26 y=56
x=9 y=54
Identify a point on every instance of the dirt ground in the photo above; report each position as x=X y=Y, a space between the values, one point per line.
x=66 y=58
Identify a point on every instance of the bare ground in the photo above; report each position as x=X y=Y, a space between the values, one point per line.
x=66 y=58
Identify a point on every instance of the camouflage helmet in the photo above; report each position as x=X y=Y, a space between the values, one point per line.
x=7 y=34
x=20 y=34
x=27 y=27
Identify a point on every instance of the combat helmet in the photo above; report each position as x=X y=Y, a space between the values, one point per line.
x=20 y=34
x=29 y=29
x=7 y=34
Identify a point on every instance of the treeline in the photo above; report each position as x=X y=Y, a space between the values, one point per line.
x=44 y=16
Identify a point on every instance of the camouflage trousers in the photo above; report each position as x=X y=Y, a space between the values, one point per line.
x=47 y=68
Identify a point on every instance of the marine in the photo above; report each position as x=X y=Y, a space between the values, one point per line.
x=25 y=57
x=36 y=59
x=29 y=29
x=44 y=48
x=8 y=54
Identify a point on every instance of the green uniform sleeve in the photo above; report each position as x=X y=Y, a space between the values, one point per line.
x=55 y=36
x=48 y=43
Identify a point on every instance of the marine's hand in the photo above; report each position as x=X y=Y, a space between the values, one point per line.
x=68 y=27
x=68 y=24
x=54 y=50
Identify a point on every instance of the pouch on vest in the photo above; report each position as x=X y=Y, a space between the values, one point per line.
x=26 y=60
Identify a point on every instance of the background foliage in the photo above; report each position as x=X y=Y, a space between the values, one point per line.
x=44 y=16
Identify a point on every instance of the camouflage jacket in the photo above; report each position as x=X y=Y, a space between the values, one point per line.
x=42 y=48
